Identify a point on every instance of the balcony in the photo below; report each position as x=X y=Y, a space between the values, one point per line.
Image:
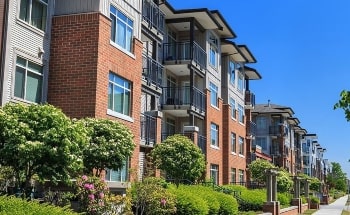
x=148 y=130
x=276 y=130
x=183 y=53
x=153 y=16
x=152 y=71
x=178 y=100
x=251 y=129
x=249 y=100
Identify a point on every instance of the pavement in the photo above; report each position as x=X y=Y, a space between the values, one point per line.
x=334 y=208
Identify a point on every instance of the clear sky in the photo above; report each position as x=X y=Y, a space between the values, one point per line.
x=303 y=53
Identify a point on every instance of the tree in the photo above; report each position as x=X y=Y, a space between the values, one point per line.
x=40 y=140
x=110 y=145
x=337 y=178
x=344 y=103
x=257 y=169
x=179 y=158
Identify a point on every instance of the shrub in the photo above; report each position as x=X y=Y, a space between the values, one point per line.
x=209 y=196
x=151 y=197
x=284 y=198
x=13 y=205
x=314 y=199
x=252 y=200
x=228 y=204
x=189 y=203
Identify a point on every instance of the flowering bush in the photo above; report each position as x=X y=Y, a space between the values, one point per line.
x=94 y=197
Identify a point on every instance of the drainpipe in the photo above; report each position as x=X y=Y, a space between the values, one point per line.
x=3 y=48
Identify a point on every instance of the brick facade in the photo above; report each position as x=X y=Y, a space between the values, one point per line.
x=81 y=59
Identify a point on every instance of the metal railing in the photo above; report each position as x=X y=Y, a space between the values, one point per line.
x=182 y=51
x=153 y=15
x=182 y=96
x=148 y=129
x=152 y=70
x=249 y=98
x=251 y=128
x=275 y=130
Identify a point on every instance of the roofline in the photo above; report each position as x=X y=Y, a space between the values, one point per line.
x=224 y=21
x=260 y=77
x=223 y=40
x=246 y=47
x=192 y=11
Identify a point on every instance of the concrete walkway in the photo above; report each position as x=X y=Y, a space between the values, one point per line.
x=333 y=209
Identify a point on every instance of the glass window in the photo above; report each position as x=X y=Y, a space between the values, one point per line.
x=213 y=94
x=233 y=108
x=121 y=29
x=241 y=177
x=240 y=113
x=120 y=175
x=233 y=175
x=34 y=12
x=233 y=143
x=28 y=80
x=214 y=135
x=261 y=141
x=232 y=73
x=240 y=82
x=213 y=52
x=214 y=173
x=261 y=122
x=119 y=94
x=241 y=145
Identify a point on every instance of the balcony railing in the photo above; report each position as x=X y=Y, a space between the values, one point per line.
x=182 y=96
x=148 y=129
x=275 y=130
x=153 y=15
x=152 y=70
x=249 y=98
x=251 y=128
x=182 y=51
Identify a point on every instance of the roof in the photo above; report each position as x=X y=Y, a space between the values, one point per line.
x=272 y=108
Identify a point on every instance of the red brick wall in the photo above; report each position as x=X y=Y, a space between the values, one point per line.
x=81 y=59
x=232 y=160
x=214 y=156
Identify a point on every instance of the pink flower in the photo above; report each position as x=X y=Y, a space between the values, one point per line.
x=84 y=177
x=91 y=197
x=102 y=195
x=88 y=186
x=163 y=202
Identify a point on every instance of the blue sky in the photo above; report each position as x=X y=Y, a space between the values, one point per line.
x=302 y=48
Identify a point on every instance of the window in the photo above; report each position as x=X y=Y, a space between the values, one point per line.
x=214 y=135
x=233 y=108
x=233 y=143
x=213 y=52
x=241 y=145
x=34 y=12
x=213 y=94
x=240 y=82
x=241 y=177
x=261 y=141
x=261 y=123
x=214 y=173
x=240 y=113
x=232 y=72
x=121 y=29
x=119 y=94
x=120 y=175
x=28 y=80
x=233 y=175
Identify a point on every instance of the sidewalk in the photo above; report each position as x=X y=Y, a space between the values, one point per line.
x=333 y=209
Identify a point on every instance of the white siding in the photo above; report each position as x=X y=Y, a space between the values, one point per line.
x=24 y=40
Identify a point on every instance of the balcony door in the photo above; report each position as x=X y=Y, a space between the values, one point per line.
x=186 y=96
x=171 y=90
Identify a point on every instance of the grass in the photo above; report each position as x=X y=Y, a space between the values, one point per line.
x=309 y=212
x=345 y=212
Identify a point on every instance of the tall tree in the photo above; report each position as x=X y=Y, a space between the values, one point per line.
x=110 y=145
x=337 y=178
x=179 y=158
x=344 y=103
x=40 y=140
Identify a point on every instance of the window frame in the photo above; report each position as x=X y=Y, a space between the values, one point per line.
x=241 y=176
x=233 y=174
x=28 y=18
x=233 y=143
x=213 y=51
x=124 y=169
x=240 y=84
x=232 y=70
x=233 y=108
x=114 y=84
x=214 y=171
x=128 y=23
x=214 y=133
x=27 y=70
x=241 y=145
x=240 y=113
x=214 y=91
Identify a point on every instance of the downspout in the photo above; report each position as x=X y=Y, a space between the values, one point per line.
x=3 y=49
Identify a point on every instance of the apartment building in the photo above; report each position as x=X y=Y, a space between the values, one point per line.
x=314 y=163
x=276 y=135
x=159 y=70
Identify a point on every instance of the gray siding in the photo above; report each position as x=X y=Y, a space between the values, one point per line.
x=64 y=7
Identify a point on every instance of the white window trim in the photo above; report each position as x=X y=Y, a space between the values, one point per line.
x=119 y=115
x=30 y=26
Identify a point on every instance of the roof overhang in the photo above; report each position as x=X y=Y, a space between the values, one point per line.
x=293 y=120
x=247 y=54
x=251 y=73
x=226 y=31
x=229 y=48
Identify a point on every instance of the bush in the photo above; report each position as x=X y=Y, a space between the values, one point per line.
x=228 y=204
x=13 y=205
x=284 y=198
x=209 y=196
x=151 y=197
x=252 y=200
x=189 y=203
x=314 y=199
